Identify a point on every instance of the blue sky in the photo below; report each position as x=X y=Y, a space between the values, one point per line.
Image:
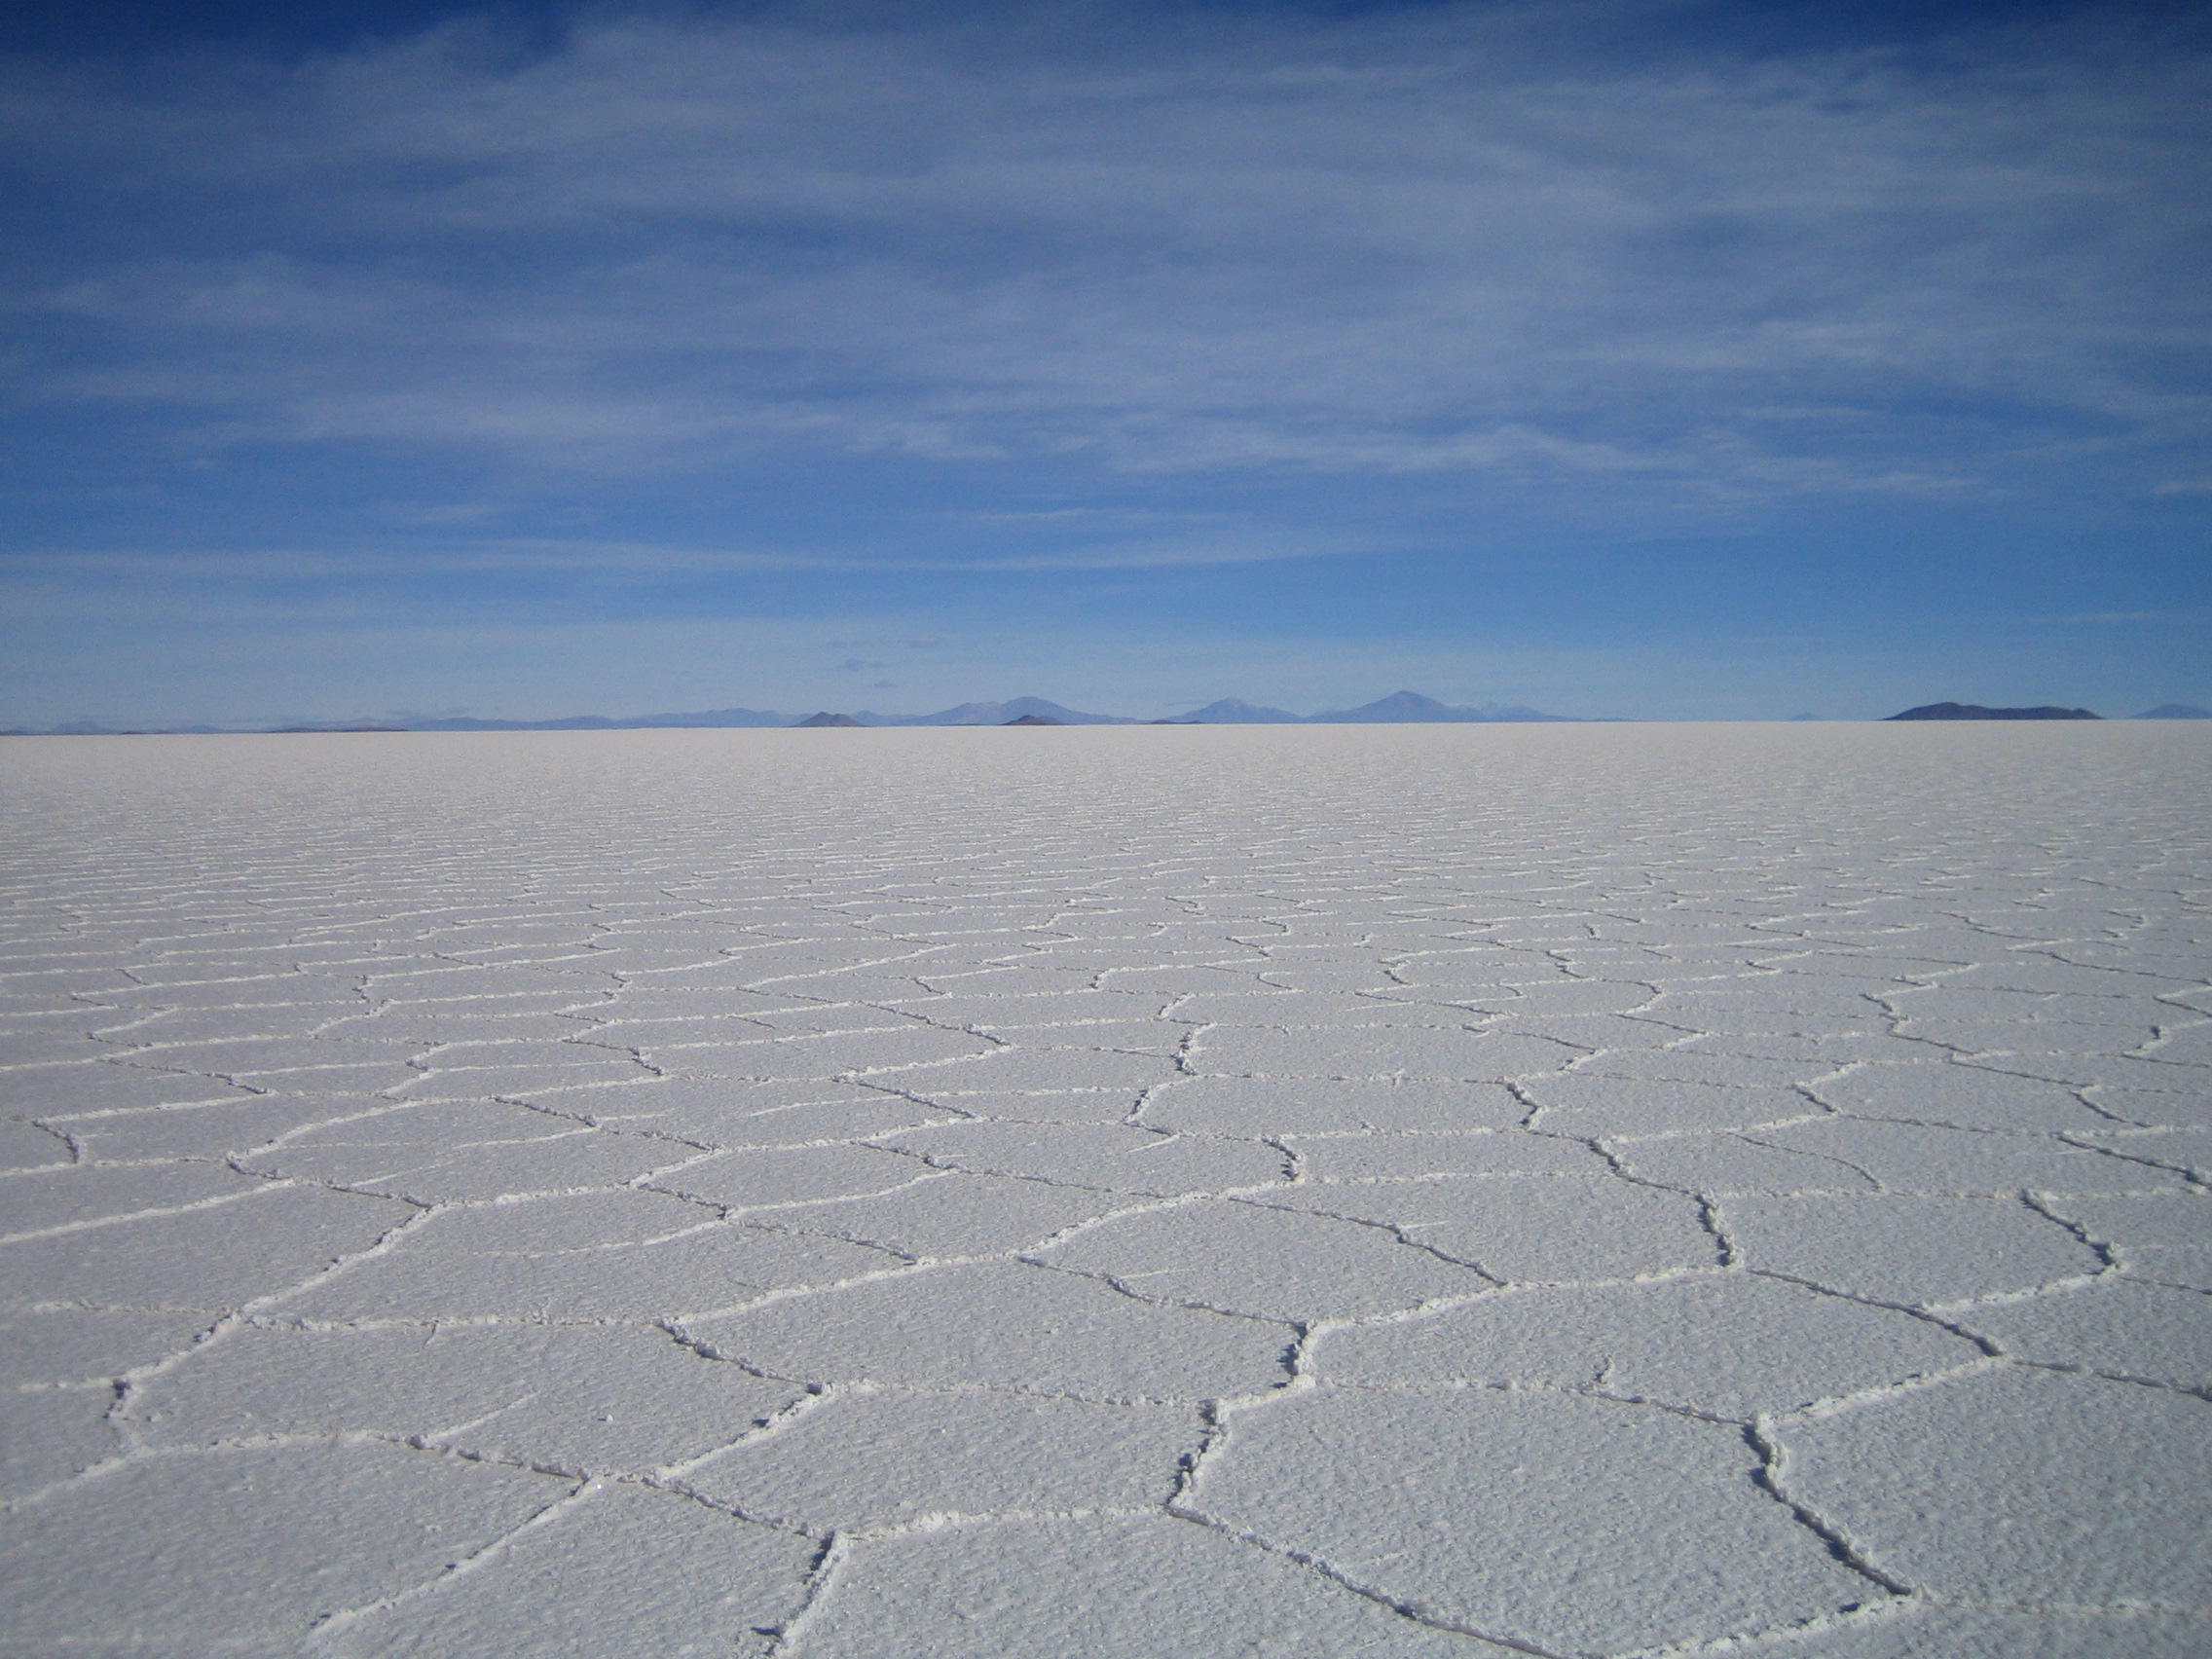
x=1667 y=360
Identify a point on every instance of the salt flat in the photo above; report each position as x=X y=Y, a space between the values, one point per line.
x=1107 y=1192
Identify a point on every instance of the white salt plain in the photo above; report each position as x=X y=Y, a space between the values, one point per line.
x=1030 y=1195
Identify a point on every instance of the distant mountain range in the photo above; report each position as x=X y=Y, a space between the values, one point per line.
x=962 y=714
x=1399 y=708
x=592 y=723
x=997 y=714
x=1235 y=711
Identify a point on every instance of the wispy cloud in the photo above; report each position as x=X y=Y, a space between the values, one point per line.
x=1428 y=245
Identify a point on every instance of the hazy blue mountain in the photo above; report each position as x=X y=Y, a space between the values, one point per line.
x=1410 y=706
x=2175 y=711
x=468 y=722
x=1235 y=711
x=89 y=729
x=1522 y=713
x=1001 y=714
x=713 y=718
x=1399 y=707
x=1976 y=712
x=606 y=722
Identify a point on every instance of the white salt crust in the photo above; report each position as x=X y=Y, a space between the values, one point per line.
x=1136 y=1193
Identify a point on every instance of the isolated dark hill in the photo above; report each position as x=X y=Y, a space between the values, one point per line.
x=2176 y=712
x=826 y=719
x=1976 y=712
x=1007 y=713
x=1033 y=720
x=1235 y=711
x=1402 y=707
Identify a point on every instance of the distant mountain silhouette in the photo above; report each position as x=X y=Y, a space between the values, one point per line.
x=1976 y=712
x=92 y=728
x=1235 y=711
x=710 y=718
x=1397 y=708
x=1006 y=714
x=1402 y=707
x=2175 y=711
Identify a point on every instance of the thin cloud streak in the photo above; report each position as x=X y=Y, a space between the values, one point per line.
x=605 y=560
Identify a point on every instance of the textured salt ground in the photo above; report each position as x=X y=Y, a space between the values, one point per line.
x=1168 y=1193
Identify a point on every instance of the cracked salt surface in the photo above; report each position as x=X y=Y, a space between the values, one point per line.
x=1397 y=1191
